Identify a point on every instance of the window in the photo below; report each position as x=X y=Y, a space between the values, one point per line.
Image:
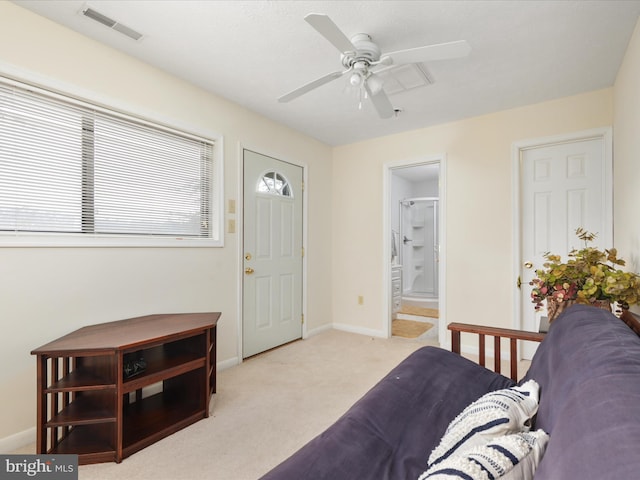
x=274 y=183
x=75 y=170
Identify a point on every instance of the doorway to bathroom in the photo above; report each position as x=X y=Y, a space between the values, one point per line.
x=415 y=212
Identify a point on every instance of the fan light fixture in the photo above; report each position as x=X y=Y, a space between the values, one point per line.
x=356 y=79
x=361 y=57
x=375 y=84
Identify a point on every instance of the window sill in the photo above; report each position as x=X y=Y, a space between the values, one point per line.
x=53 y=240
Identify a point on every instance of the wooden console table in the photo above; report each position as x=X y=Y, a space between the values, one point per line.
x=88 y=405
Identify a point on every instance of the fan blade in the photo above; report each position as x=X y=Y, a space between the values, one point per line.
x=310 y=86
x=329 y=30
x=381 y=103
x=441 y=51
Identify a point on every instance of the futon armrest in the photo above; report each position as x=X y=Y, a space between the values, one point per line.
x=632 y=320
x=497 y=334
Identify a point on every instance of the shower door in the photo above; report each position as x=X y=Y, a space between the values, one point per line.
x=419 y=246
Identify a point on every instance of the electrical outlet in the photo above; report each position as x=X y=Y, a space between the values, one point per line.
x=232 y=226
x=232 y=206
x=360 y=300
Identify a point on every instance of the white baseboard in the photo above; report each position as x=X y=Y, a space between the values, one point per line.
x=360 y=330
x=18 y=440
x=316 y=331
x=231 y=362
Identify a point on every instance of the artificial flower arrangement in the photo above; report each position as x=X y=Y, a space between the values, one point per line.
x=590 y=276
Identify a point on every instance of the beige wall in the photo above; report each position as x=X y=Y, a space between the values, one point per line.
x=48 y=292
x=626 y=140
x=479 y=194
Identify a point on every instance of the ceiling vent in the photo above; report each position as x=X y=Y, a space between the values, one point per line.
x=111 y=23
x=405 y=77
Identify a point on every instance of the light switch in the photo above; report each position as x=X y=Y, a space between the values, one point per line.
x=232 y=205
x=232 y=226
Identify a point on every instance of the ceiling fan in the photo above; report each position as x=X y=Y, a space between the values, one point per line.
x=360 y=57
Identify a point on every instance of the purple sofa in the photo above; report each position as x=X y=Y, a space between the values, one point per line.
x=588 y=369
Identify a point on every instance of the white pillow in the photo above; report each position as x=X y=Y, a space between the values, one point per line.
x=510 y=457
x=494 y=414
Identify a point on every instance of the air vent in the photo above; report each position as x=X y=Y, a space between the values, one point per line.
x=98 y=17
x=111 y=23
x=405 y=77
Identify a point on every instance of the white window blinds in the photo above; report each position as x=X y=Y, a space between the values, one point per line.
x=72 y=168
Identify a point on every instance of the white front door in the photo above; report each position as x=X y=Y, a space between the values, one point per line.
x=272 y=286
x=563 y=186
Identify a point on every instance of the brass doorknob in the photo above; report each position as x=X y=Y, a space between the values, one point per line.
x=249 y=270
x=528 y=264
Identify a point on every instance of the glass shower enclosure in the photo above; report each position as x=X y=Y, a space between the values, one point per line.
x=419 y=247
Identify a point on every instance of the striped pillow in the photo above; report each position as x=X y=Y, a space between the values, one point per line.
x=494 y=414
x=510 y=457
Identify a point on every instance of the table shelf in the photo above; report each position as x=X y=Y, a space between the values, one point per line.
x=87 y=405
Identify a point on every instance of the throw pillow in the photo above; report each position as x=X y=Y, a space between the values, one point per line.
x=496 y=413
x=510 y=457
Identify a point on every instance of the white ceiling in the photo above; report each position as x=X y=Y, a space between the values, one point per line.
x=252 y=52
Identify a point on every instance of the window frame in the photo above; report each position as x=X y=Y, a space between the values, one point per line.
x=111 y=107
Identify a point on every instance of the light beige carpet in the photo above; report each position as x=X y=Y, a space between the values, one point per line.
x=265 y=409
x=409 y=328
x=421 y=311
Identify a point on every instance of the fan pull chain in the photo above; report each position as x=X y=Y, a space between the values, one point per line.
x=362 y=94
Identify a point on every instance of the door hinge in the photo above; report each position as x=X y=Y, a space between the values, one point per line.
x=302 y=185
x=302 y=316
x=302 y=251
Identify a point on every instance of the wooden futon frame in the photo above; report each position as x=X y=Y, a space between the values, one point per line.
x=631 y=319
